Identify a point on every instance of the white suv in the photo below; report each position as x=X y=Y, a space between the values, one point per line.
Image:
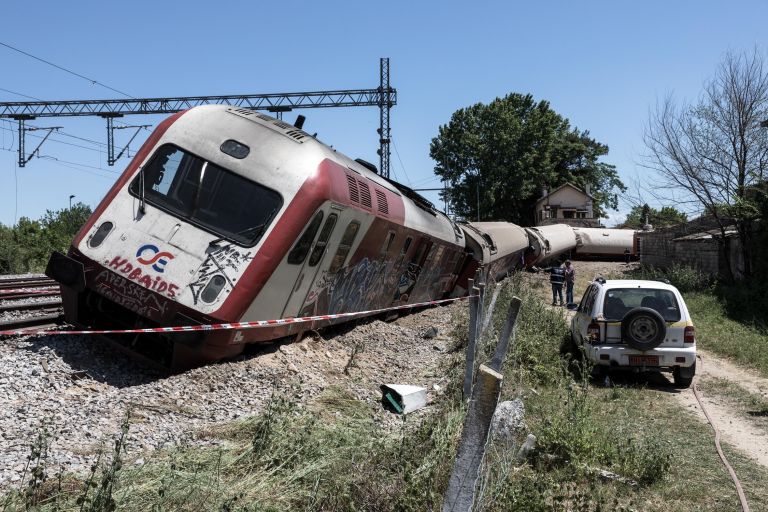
x=636 y=324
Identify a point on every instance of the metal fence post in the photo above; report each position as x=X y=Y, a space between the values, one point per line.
x=480 y=310
x=469 y=371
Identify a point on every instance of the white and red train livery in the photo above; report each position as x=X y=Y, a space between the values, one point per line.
x=229 y=215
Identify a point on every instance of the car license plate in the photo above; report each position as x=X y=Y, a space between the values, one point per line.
x=644 y=360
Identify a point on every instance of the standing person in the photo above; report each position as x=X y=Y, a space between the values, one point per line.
x=627 y=254
x=570 y=279
x=556 y=279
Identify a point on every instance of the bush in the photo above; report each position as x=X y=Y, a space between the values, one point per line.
x=684 y=278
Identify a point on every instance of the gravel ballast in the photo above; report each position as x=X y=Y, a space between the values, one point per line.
x=79 y=388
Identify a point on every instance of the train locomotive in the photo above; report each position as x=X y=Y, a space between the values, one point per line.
x=229 y=215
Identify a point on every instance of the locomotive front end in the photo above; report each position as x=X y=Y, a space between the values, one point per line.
x=179 y=239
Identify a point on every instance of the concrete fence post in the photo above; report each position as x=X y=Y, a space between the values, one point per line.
x=484 y=398
x=485 y=395
x=507 y=334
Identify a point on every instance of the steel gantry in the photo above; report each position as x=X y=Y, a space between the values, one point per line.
x=383 y=97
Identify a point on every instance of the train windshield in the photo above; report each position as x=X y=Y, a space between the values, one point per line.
x=207 y=195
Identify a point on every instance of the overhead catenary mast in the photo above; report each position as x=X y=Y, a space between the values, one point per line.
x=384 y=97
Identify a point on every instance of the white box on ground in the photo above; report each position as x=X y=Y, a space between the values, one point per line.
x=409 y=397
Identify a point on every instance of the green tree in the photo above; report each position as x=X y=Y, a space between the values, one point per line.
x=27 y=246
x=502 y=154
x=666 y=216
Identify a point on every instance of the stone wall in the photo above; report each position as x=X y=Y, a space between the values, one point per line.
x=704 y=255
x=664 y=247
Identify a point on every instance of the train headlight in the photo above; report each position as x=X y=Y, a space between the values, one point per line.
x=235 y=149
x=213 y=289
x=100 y=234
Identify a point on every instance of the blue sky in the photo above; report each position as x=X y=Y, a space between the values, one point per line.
x=600 y=64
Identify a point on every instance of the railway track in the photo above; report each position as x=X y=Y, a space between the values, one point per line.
x=29 y=301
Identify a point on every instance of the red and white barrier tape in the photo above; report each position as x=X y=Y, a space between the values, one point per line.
x=234 y=325
x=41 y=290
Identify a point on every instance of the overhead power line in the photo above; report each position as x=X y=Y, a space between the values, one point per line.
x=19 y=94
x=91 y=80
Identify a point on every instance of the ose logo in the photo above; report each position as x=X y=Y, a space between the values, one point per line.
x=158 y=260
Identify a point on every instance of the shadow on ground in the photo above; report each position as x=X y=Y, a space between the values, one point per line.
x=651 y=379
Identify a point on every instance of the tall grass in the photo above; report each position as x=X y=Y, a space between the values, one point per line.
x=562 y=409
x=333 y=454
x=746 y=342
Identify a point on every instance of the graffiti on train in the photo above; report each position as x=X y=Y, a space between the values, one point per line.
x=225 y=261
x=353 y=288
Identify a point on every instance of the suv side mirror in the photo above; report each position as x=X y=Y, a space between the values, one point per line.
x=573 y=306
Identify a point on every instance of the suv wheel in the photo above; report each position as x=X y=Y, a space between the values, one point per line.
x=643 y=328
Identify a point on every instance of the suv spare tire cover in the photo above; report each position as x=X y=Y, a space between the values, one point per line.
x=643 y=328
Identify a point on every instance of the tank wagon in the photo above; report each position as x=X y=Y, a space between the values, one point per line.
x=229 y=215
x=604 y=243
x=547 y=243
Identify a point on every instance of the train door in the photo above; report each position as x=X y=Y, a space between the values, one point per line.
x=408 y=279
x=309 y=252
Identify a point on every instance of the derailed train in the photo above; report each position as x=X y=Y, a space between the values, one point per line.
x=229 y=215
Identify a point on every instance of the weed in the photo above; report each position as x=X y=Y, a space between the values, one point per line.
x=357 y=348
x=37 y=465
x=103 y=498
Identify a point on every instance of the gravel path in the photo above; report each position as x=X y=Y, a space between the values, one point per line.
x=79 y=388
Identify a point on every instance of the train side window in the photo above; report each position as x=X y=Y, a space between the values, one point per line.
x=418 y=257
x=387 y=244
x=322 y=241
x=459 y=262
x=301 y=249
x=344 y=246
x=406 y=246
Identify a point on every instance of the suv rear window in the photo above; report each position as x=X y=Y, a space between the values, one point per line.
x=619 y=301
x=207 y=195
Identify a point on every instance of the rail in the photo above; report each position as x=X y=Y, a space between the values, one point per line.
x=29 y=303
